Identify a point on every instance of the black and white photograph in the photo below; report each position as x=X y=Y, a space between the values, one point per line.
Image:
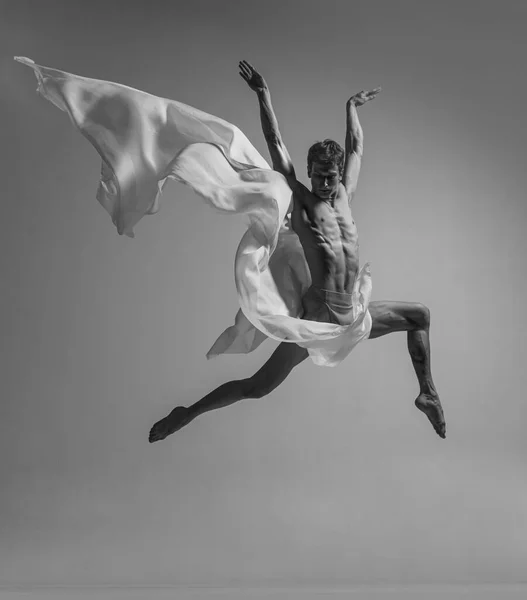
x=263 y=276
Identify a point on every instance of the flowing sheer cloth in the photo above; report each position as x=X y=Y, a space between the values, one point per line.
x=144 y=141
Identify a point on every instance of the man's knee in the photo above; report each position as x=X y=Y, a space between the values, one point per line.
x=283 y=360
x=256 y=387
x=421 y=316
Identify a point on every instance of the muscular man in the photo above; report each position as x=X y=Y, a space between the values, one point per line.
x=322 y=219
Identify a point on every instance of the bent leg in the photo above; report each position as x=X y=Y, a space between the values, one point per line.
x=414 y=318
x=283 y=360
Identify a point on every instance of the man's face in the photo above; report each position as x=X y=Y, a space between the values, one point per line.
x=325 y=180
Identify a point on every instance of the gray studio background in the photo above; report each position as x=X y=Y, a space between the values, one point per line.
x=336 y=478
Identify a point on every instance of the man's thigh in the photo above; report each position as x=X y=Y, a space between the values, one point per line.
x=283 y=360
x=389 y=316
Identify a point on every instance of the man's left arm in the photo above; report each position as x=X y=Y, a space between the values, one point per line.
x=354 y=141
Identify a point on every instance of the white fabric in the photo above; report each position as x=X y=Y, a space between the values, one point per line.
x=144 y=140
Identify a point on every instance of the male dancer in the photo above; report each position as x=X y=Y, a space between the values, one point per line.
x=322 y=219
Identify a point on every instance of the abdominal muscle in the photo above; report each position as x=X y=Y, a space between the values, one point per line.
x=329 y=238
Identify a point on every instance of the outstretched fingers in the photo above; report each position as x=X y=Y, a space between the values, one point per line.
x=245 y=71
x=245 y=68
x=247 y=65
x=363 y=96
x=255 y=81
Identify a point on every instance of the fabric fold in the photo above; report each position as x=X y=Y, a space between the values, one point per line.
x=144 y=141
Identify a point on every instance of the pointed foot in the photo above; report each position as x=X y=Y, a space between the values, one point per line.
x=430 y=405
x=177 y=419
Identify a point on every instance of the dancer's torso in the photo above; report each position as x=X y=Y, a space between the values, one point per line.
x=329 y=237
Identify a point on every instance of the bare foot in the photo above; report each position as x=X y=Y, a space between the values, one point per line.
x=431 y=406
x=177 y=419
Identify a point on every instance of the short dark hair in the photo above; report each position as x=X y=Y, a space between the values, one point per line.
x=327 y=152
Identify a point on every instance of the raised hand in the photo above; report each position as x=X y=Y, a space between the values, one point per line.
x=363 y=97
x=254 y=80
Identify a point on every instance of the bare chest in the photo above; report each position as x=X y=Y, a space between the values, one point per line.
x=324 y=226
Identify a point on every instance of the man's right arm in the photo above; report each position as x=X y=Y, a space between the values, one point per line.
x=279 y=155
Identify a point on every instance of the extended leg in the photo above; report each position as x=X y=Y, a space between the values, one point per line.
x=263 y=382
x=389 y=317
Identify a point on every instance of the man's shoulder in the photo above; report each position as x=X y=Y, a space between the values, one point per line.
x=302 y=195
x=344 y=195
x=299 y=189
